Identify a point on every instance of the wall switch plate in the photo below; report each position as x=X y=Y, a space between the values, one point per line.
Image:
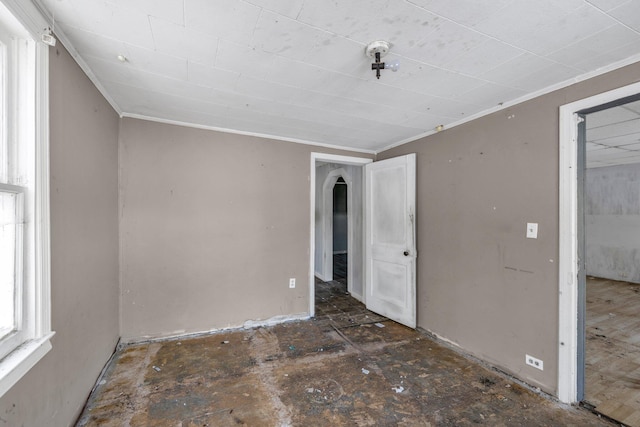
x=292 y=283
x=532 y=230
x=532 y=361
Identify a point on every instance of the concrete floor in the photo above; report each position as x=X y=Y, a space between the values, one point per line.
x=340 y=369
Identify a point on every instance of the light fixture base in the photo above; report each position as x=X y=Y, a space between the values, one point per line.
x=378 y=46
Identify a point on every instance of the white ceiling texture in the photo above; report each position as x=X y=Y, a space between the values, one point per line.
x=613 y=136
x=296 y=69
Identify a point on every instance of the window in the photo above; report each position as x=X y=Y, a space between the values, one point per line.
x=25 y=328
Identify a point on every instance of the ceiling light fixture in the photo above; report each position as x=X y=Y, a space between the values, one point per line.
x=122 y=58
x=377 y=50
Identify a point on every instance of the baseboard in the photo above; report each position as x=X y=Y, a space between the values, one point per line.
x=248 y=324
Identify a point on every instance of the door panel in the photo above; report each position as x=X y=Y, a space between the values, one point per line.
x=389 y=225
x=390 y=238
x=385 y=276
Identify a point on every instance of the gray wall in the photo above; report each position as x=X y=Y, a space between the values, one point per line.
x=612 y=222
x=212 y=227
x=481 y=283
x=84 y=253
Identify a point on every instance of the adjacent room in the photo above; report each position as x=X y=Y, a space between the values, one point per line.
x=612 y=261
x=392 y=212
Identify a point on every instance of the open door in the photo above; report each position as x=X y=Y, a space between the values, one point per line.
x=390 y=238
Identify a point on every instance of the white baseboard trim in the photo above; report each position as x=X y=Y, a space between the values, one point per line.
x=323 y=278
x=249 y=324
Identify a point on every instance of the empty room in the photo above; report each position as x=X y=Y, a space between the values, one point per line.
x=296 y=212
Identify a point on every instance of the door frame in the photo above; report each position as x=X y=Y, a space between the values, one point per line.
x=328 y=158
x=568 y=239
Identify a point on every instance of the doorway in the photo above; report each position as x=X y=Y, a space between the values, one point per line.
x=340 y=231
x=338 y=279
x=381 y=249
x=609 y=235
x=327 y=169
x=572 y=271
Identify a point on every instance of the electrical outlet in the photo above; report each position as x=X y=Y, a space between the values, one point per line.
x=292 y=283
x=536 y=363
x=48 y=39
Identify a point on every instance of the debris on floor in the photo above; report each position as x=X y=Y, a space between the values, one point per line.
x=410 y=380
x=398 y=389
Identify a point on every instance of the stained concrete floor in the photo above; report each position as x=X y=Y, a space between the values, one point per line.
x=343 y=368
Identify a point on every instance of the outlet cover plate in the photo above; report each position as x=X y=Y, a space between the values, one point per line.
x=535 y=362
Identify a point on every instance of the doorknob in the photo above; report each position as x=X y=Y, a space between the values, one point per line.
x=406 y=253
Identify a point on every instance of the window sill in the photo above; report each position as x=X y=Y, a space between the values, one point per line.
x=15 y=365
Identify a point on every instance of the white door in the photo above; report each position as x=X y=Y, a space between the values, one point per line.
x=390 y=238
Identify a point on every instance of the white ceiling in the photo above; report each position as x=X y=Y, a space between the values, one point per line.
x=613 y=136
x=296 y=69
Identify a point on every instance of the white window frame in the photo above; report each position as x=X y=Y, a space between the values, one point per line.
x=33 y=129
